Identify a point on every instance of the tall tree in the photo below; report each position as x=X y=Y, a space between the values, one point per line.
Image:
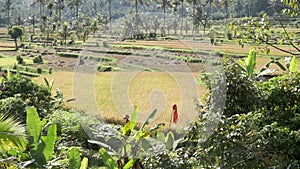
x=15 y=33
x=110 y=18
x=163 y=4
x=7 y=6
x=41 y=4
x=194 y=4
x=77 y=4
x=59 y=7
x=136 y=3
x=181 y=23
x=32 y=20
x=65 y=32
x=225 y=4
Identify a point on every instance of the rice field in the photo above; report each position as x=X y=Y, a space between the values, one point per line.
x=111 y=95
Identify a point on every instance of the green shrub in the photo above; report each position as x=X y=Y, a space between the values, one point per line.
x=38 y=59
x=105 y=44
x=31 y=93
x=14 y=106
x=105 y=68
x=264 y=135
x=282 y=99
x=20 y=60
x=70 y=127
x=68 y=55
x=50 y=71
x=39 y=70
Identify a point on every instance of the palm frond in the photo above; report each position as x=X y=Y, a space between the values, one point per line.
x=12 y=133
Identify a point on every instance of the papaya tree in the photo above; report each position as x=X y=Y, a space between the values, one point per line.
x=15 y=33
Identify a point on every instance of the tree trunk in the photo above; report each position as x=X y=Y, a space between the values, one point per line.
x=16 y=43
x=164 y=15
x=8 y=16
x=77 y=11
x=181 y=17
x=136 y=17
x=109 y=4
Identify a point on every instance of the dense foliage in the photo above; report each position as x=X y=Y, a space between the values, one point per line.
x=265 y=135
x=31 y=94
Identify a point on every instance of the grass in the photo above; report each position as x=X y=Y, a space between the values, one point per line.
x=144 y=88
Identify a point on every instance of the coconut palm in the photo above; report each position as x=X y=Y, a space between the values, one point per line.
x=136 y=3
x=32 y=20
x=65 y=32
x=163 y=4
x=77 y=4
x=41 y=3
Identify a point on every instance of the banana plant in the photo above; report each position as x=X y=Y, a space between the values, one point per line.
x=75 y=159
x=133 y=142
x=292 y=64
x=41 y=147
x=248 y=65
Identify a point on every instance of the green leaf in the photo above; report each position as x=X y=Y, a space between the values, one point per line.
x=129 y=164
x=133 y=117
x=9 y=75
x=74 y=158
x=107 y=159
x=145 y=144
x=129 y=126
x=251 y=62
x=49 y=141
x=84 y=163
x=273 y=61
x=170 y=141
x=126 y=130
x=12 y=134
x=34 y=127
x=160 y=136
x=106 y=146
x=148 y=119
x=49 y=85
x=293 y=64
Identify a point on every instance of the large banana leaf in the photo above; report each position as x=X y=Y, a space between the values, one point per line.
x=49 y=141
x=107 y=159
x=293 y=64
x=34 y=127
x=74 y=158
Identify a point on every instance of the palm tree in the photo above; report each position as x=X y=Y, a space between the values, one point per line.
x=65 y=33
x=225 y=3
x=182 y=8
x=194 y=5
x=163 y=4
x=136 y=3
x=77 y=4
x=59 y=6
x=32 y=20
x=41 y=3
x=94 y=27
x=109 y=9
x=7 y=6
x=12 y=134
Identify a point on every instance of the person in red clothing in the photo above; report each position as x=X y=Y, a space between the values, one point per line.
x=175 y=114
